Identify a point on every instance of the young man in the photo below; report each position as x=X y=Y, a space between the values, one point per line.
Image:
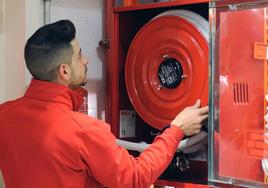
x=45 y=143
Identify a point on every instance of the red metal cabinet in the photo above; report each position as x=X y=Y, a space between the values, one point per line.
x=121 y=25
x=238 y=84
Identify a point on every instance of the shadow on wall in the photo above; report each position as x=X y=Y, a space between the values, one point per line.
x=2 y=183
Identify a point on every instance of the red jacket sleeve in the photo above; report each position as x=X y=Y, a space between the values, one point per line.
x=112 y=166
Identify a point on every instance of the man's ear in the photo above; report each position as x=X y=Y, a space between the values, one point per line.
x=64 y=71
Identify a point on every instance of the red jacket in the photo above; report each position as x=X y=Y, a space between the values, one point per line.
x=44 y=143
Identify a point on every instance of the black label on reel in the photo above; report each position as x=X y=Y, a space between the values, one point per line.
x=170 y=73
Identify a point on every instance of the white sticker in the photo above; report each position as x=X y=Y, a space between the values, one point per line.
x=127 y=123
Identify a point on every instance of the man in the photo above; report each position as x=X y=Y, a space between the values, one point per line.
x=45 y=143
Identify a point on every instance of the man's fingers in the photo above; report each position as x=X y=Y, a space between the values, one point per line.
x=204 y=117
x=203 y=110
x=197 y=104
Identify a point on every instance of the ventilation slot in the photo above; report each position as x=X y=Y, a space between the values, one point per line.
x=240 y=93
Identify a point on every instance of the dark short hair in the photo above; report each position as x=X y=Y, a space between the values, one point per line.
x=49 y=47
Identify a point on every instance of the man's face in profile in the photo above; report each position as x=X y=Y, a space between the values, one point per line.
x=78 y=66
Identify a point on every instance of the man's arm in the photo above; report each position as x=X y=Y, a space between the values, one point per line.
x=112 y=166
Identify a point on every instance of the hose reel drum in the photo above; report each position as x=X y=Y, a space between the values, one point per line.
x=167 y=66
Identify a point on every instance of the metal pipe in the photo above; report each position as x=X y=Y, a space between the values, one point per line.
x=190 y=145
x=47 y=11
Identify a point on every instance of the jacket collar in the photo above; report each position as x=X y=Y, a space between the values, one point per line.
x=53 y=92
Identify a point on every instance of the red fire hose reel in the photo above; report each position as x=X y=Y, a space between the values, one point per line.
x=167 y=66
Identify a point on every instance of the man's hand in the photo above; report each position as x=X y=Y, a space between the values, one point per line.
x=190 y=120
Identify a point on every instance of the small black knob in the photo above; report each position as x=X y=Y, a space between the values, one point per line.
x=105 y=44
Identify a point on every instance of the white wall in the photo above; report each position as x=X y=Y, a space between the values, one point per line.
x=13 y=34
x=1 y=50
x=1 y=68
x=19 y=19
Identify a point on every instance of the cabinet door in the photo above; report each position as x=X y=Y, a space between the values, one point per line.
x=238 y=84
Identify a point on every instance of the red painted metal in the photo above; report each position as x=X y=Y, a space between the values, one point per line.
x=172 y=37
x=158 y=5
x=241 y=80
x=111 y=68
x=129 y=2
